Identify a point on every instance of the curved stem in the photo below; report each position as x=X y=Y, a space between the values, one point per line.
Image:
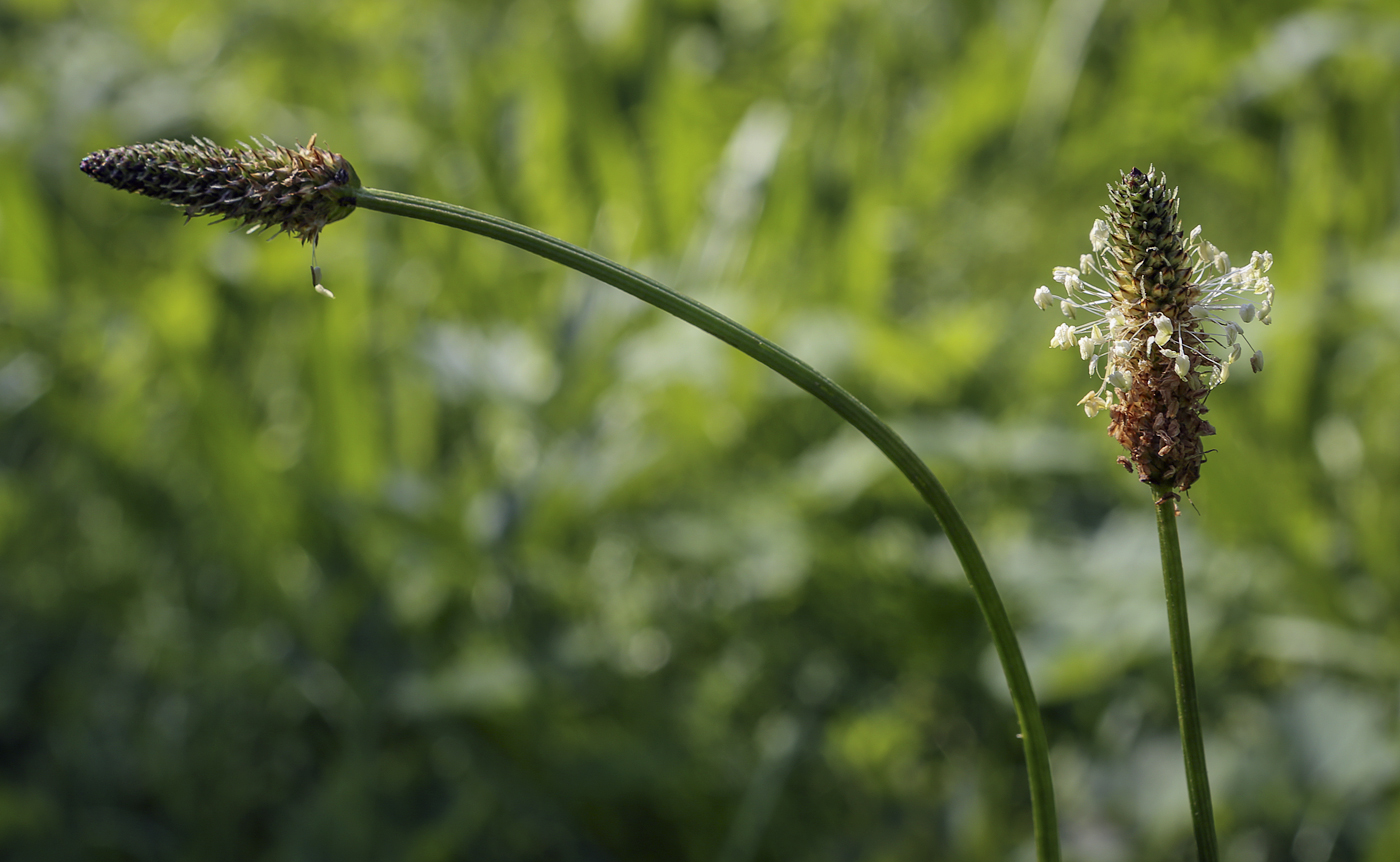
x=1187 y=707
x=845 y=405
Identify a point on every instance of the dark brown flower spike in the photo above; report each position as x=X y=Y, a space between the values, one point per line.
x=298 y=191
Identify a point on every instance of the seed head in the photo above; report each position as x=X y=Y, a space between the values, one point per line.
x=298 y=191
x=1156 y=337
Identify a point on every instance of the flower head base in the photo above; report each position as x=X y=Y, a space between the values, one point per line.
x=298 y=191
x=1160 y=331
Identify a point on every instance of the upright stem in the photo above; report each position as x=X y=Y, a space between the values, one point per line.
x=1187 y=707
x=842 y=402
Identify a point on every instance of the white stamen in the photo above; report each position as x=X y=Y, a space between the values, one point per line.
x=1098 y=235
x=1164 y=329
x=1092 y=403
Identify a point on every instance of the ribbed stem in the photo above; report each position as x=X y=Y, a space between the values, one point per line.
x=843 y=403
x=1187 y=707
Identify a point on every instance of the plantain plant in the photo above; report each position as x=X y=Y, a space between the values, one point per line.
x=1160 y=336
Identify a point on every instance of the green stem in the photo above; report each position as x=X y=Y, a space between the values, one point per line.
x=845 y=405
x=1187 y=707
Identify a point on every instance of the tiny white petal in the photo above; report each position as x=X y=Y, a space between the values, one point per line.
x=1086 y=349
x=1043 y=298
x=1247 y=312
x=1183 y=366
x=1256 y=362
x=1064 y=337
x=1067 y=308
x=1235 y=350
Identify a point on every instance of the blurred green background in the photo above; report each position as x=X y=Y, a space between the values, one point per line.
x=484 y=560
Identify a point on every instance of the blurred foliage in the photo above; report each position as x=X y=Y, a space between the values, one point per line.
x=482 y=560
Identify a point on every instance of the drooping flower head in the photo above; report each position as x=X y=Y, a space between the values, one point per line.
x=1161 y=328
x=298 y=191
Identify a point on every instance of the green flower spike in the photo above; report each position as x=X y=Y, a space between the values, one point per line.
x=1157 y=337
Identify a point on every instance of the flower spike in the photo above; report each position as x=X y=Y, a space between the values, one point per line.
x=298 y=191
x=1161 y=331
